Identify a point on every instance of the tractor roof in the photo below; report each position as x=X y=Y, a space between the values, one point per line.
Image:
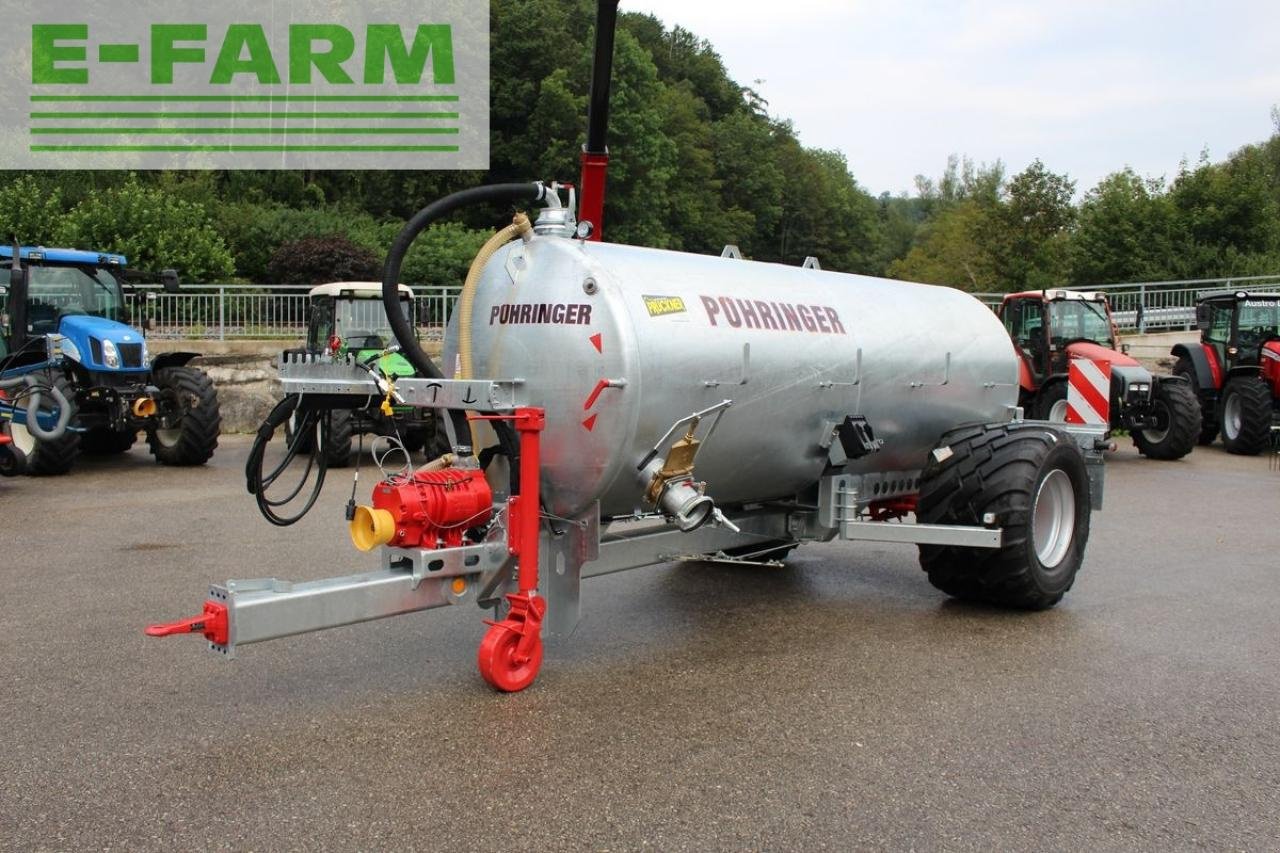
x=1238 y=294
x=64 y=256
x=1054 y=294
x=356 y=289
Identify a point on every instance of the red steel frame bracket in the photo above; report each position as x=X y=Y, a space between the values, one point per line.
x=591 y=186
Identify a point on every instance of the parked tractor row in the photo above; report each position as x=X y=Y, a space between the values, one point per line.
x=1228 y=384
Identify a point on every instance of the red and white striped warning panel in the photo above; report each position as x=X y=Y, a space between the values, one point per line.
x=1088 y=392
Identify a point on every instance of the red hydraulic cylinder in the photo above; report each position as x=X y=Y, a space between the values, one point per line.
x=595 y=168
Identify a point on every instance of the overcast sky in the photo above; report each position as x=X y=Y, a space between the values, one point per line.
x=1087 y=86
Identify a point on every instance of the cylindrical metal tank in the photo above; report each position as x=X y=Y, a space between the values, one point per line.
x=618 y=342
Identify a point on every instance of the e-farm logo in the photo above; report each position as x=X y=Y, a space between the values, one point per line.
x=312 y=84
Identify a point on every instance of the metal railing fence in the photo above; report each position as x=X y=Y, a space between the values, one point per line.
x=1162 y=306
x=263 y=311
x=279 y=311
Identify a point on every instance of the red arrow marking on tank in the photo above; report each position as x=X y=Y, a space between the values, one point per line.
x=595 y=394
x=597 y=341
x=590 y=423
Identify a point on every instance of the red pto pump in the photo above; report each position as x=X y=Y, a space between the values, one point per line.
x=427 y=509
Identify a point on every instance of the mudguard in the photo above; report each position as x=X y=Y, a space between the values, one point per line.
x=1196 y=355
x=172 y=359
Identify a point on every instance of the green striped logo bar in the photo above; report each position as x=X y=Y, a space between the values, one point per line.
x=280 y=84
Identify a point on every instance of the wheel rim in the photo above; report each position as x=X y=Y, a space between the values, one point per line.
x=1058 y=412
x=168 y=437
x=1053 y=518
x=22 y=438
x=1155 y=435
x=1232 y=417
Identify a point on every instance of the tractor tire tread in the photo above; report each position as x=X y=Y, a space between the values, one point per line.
x=1255 y=415
x=1185 y=422
x=993 y=469
x=200 y=425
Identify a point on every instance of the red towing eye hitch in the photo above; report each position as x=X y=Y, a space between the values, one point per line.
x=212 y=623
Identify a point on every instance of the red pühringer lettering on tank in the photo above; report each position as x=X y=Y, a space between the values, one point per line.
x=776 y=316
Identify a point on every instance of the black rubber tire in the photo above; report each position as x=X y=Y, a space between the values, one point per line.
x=341 y=431
x=1208 y=412
x=101 y=441
x=57 y=457
x=1254 y=435
x=1000 y=470
x=194 y=439
x=1181 y=409
x=1049 y=396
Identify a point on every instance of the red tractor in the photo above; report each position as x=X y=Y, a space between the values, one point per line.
x=1051 y=328
x=1235 y=370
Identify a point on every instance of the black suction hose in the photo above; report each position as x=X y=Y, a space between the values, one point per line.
x=401 y=326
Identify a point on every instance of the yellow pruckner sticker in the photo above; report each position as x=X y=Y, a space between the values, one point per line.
x=661 y=305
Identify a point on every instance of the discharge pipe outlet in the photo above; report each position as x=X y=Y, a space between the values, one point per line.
x=680 y=500
x=371 y=527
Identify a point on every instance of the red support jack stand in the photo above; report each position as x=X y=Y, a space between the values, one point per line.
x=511 y=652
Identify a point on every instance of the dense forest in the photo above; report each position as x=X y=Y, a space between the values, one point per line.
x=697 y=162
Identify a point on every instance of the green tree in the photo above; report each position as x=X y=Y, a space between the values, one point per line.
x=1124 y=232
x=952 y=249
x=29 y=211
x=1227 y=214
x=153 y=228
x=1030 y=234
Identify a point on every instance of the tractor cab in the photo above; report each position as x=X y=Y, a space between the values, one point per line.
x=75 y=294
x=1242 y=328
x=1235 y=369
x=349 y=317
x=1051 y=329
x=1051 y=326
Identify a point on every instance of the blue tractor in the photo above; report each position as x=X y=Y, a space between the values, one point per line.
x=65 y=322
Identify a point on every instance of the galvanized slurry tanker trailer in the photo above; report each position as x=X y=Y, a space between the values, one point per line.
x=613 y=407
x=655 y=406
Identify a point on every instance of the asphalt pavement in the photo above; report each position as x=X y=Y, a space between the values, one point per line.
x=837 y=703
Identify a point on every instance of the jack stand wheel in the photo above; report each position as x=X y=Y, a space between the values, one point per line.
x=511 y=652
x=500 y=660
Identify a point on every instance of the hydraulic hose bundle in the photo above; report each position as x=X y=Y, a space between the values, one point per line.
x=313 y=425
